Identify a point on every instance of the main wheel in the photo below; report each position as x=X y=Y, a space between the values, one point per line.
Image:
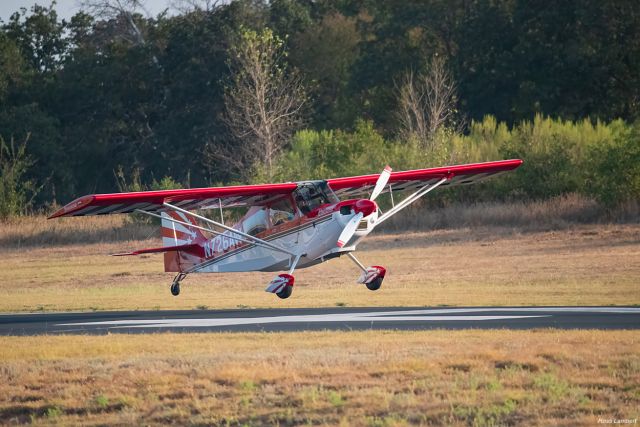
x=375 y=284
x=175 y=289
x=286 y=292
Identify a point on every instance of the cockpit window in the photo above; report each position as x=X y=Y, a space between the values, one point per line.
x=257 y=230
x=281 y=212
x=255 y=220
x=311 y=195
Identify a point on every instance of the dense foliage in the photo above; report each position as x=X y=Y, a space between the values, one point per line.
x=16 y=192
x=100 y=106
x=594 y=159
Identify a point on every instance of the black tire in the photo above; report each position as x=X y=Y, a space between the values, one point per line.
x=375 y=284
x=175 y=289
x=286 y=292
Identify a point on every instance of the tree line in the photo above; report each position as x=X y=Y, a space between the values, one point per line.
x=113 y=98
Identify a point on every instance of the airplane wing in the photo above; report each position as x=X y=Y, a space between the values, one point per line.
x=192 y=198
x=356 y=186
x=252 y=195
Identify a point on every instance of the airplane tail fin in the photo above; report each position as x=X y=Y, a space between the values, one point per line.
x=190 y=241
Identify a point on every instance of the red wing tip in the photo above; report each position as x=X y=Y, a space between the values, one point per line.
x=56 y=214
x=72 y=207
x=60 y=212
x=340 y=243
x=514 y=163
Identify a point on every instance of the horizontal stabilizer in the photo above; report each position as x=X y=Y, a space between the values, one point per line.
x=159 y=250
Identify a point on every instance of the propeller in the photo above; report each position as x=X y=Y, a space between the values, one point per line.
x=352 y=225
x=381 y=183
x=349 y=229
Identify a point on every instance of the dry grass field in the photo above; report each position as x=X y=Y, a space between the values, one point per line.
x=383 y=378
x=386 y=378
x=583 y=265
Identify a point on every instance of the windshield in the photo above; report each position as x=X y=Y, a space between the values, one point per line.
x=311 y=195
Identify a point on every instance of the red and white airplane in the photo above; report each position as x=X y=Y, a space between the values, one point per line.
x=287 y=226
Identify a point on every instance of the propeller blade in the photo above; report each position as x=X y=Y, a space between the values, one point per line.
x=381 y=183
x=349 y=229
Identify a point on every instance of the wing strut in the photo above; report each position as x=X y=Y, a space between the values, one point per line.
x=253 y=239
x=410 y=199
x=220 y=206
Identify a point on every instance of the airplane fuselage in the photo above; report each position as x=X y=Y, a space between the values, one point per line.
x=313 y=236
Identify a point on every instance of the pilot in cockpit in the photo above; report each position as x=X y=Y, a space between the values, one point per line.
x=303 y=205
x=312 y=195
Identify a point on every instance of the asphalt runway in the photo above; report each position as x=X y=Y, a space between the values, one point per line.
x=306 y=319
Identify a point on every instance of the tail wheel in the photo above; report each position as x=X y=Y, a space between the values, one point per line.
x=175 y=289
x=375 y=284
x=285 y=292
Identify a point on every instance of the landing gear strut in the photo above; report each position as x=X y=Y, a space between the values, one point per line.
x=175 y=286
x=372 y=277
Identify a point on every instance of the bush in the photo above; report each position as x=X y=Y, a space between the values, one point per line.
x=613 y=170
x=555 y=154
x=16 y=192
x=548 y=170
x=134 y=183
x=328 y=154
x=593 y=159
x=560 y=157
